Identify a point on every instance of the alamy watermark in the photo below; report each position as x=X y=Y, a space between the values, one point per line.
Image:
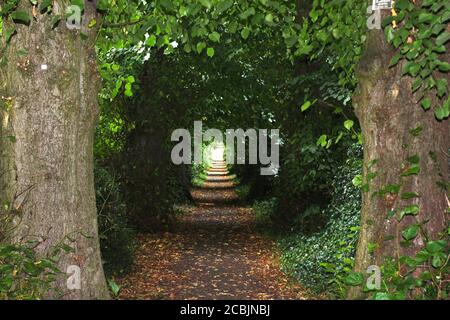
x=74 y=277
x=258 y=141
x=373 y=282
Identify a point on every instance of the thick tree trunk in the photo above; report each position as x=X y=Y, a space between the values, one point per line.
x=387 y=111
x=53 y=87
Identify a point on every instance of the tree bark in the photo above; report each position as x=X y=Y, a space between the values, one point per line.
x=48 y=170
x=387 y=111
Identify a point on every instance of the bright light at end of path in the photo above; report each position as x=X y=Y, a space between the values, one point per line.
x=217 y=153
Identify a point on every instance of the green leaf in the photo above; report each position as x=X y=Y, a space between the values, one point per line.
x=357 y=181
x=214 y=36
x=413 y=170
x=436 y=246
x=415 y=159
x=442 y=38
x=444 y=66
x=409 y=195
x=411 y=68
x=55 y=21
x=322 y=141
x=103 y=5
x=187 y=48
x=245 y=33
x=115 y=288
x=45 y=5
x=131 y=79
x=305 y=106
x=200 y=47
x=441 y=113
x=411 y=232
x=441 y=85
x=21 y=17
x=92 y=23
x=438 y=260
x=6 y=283
x=381 y=296
x=151 y=41
x=210 y=52
x=426 y=103
x=223 y=6
x=206 y=3
x=348 y=124
x=395 y=59
x=79 y=3
x=9 y=34
x=354 y=278
x=411 y=210
x=269 y=18
x=425 y=17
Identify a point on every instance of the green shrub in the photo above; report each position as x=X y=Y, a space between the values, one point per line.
x=264 y=211
x=243 y=191
x=24 y=276
x=320 y=261
x=116 y=235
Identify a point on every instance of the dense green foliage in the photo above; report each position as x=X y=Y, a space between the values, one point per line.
x=23 y=276
x=320 y=260
x=245 y=64
x=115 y=232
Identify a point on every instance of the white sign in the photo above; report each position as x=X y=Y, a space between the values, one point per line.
x=382 y=5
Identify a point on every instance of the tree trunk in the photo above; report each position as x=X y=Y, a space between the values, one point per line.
x=387 y=111
x=48 y=166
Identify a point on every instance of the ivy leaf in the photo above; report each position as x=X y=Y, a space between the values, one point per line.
x=115 y=288
x=411 y=232
x=55 y=21
x=443 y=38
x=425 y=17
x=411 y=68
x=45 y=5
x=9 y=33
x=413 y=170
x=395 y=59
x=436 y=246
x=442 y=85
x=354 y=278
x=381 y=296
x=426 y=103
x=409 y=195
x=441 y=113
x=445 y=17
x=444 y=66
x=438 y=260
x=412 y=210
x=21 y=17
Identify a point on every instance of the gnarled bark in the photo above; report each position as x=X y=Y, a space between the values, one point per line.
x=52 y=79
x=387 y=111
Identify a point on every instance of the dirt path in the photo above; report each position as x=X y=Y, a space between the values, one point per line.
x=215 y=253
